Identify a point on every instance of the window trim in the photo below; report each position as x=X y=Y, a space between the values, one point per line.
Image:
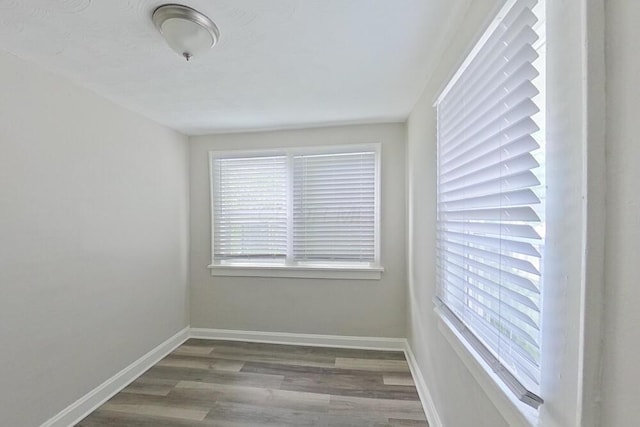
x=297 y=272
x=515 y=412
x=290 y=269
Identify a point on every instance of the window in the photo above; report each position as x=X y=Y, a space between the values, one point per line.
x=296 y=212
x=250 y=208
x=491 y=198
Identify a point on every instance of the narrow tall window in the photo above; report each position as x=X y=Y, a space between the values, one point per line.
x=490 y=198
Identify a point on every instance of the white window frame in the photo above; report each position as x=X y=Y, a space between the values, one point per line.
x=291 y=269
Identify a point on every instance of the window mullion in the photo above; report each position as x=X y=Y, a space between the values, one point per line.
x=289 y=259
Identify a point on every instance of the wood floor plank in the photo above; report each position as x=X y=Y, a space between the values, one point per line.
x=372 y=364
x=388 y=408
x=293 y=400
x=187 y=414
x=176 y=362
x=102 y=418
x=347 y=386
x=193 y=350
x=218 y=377
x=261 y=416
x=271 y=353
x=228 y=365
x=292 y=370
x=209 y=363
x=398 y=379
x=148 y=389
x=275 y=359
x=146 y=379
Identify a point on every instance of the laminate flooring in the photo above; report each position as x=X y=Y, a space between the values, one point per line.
x=240 y=384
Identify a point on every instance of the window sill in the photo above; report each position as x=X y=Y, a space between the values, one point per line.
x=513 y=410
x=301 y=272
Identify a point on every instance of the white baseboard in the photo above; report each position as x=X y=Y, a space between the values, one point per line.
x=340 y=341
x=96 y=397
x=423 y=391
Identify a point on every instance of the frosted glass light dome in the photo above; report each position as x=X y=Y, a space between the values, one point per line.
x=187 y=31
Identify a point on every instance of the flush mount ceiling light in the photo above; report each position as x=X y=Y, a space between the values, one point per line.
x=187 y=31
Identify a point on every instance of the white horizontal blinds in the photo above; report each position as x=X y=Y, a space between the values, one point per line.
x=334 y=207
x=490 y=230
x=250 y=208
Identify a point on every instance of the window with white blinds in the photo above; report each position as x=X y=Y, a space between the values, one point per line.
x=250 y=208
x=334 y=207
x=490 y=198
x=296 y=207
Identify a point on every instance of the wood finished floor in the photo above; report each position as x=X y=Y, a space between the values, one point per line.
x=239 y=384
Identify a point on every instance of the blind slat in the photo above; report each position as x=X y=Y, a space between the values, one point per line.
x=503 y=244
x=491 y=256
x=506 y=293
x=495 y=273
x=488 y=157
x=511 y=198
x=505 y=169
x=526 y=179
x=484 y=228
x=524 y=213
x=493 y=302
x=509 y=132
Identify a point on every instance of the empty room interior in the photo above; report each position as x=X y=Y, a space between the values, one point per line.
x=319 y=213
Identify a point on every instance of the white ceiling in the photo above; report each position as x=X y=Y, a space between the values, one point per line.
x=278 y=64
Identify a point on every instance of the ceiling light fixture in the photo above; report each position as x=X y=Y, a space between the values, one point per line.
x=187 y=31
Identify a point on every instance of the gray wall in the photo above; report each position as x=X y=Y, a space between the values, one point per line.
x=93 y=240
x=338 y=307
x=621 y=398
